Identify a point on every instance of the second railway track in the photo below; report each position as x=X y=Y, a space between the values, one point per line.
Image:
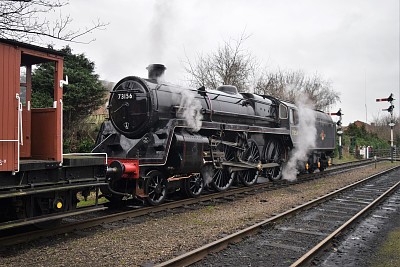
x=298 y=235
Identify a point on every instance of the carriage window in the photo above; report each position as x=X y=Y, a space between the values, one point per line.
x=22 y=74
x=283 y=112
x=22 y=81
x=23 y=95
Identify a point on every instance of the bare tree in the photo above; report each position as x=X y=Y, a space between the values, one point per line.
x=230 y=64
x=287 y=85
x=380 y=126
x=26 y=20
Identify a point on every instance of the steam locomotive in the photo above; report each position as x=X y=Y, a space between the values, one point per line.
x=162 y=138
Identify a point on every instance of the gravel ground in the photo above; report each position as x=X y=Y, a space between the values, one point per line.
x=147 y=242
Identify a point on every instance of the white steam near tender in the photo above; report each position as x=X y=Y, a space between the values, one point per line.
x=306 y=138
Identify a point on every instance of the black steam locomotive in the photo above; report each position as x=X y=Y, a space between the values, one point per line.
x=161 y=137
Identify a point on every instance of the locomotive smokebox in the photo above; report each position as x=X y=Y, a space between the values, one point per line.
x=156 y=70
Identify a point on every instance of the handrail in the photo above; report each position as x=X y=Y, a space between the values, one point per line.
x=19 y=132
x=17 y=96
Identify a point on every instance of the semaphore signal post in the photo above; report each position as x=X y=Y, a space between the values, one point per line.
x=390 y=99
x=339 y=130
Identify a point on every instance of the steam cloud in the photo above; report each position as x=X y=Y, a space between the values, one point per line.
x=306 y=138
x=190 y=109
x=161 y=25
x=207 y=172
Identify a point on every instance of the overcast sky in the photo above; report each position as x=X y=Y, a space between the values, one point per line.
x=354 y=44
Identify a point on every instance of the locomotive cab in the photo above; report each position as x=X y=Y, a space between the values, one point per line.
x=321 y=149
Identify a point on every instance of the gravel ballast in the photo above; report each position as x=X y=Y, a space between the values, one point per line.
x=131 y=243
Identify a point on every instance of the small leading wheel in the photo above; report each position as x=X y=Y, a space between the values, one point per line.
x=273 y=153
x=155 y=188
x=194 y=185
x=250 y=155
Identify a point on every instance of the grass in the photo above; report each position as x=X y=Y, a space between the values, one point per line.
x=91 y=200
x=197 y=222
x=345 y=158
x=320 y=184
x=388 y=254
x=209 y=209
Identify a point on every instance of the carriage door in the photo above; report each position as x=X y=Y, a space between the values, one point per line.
x=25 y=96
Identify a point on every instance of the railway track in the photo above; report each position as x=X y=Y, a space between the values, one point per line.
x=87 y=222
x=296 y=236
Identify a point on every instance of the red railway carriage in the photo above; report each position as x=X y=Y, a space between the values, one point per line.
x=36 y=179
x=27 y=132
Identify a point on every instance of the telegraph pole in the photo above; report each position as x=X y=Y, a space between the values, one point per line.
x=391 y=124
x=339 y=130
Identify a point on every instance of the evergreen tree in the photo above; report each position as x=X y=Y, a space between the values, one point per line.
x=82 y=96
x=362 y=137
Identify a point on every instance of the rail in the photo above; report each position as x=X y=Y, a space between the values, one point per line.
x=306 y=258
x=220 y=244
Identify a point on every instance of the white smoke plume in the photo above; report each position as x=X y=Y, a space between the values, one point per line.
x=160 y=28
x=306 y=138
x=161 y=79
x=190 y=109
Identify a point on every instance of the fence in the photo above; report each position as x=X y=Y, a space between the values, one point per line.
x=385 y=153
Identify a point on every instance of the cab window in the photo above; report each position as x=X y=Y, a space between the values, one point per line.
x=283 y=112
x=293 y=117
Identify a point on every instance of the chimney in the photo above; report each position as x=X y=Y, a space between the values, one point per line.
x=156 y=70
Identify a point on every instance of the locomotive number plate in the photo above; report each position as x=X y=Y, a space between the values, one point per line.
x=125 y=96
